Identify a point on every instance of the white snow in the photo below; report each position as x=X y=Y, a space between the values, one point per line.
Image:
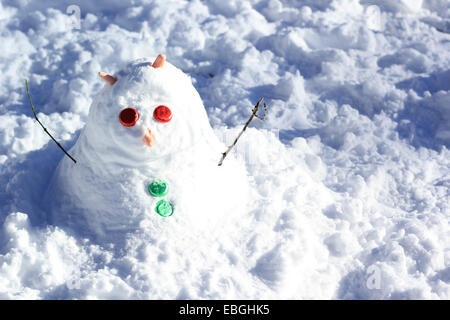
x=349 y=176
x=105 y=192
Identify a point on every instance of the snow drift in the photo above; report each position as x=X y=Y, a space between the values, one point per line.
x=349 y=175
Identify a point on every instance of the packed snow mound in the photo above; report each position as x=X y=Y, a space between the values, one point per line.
x=106 y=192
x=349 y=173
x=144 y=88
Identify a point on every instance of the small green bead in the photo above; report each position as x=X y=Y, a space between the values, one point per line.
x=158 y=188
x=164 y=208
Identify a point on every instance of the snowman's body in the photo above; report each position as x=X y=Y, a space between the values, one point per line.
x=105 y=194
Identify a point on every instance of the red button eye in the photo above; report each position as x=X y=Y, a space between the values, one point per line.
x=162 y=114
x=128 y=117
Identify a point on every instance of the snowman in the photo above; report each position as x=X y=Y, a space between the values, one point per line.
x=146 y=160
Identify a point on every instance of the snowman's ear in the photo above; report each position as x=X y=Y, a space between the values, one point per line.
x=159 y=61
x=108 y=79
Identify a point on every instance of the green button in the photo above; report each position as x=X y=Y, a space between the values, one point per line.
x=158 y=188
x=164 y=208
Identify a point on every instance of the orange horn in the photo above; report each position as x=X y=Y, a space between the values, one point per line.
x=108 y=79
x=159 y=61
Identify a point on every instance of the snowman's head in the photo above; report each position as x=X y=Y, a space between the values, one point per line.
x=146 y=111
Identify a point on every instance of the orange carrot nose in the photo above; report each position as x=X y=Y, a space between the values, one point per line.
x=149 y=138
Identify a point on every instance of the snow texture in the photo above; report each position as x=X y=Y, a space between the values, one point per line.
x=105 y=193
x=342 y=193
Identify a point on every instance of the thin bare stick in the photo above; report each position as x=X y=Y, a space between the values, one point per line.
x=45 y=129
x=254 y=111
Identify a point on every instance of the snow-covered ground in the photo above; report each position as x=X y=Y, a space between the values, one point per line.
x=350 y=172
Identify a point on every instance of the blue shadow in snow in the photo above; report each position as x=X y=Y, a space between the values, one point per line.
x=433 y=83
x=25 y=180
x=419 y=122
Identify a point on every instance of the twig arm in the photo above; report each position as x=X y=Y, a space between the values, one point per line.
x=45 y=129
x=254 y=111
